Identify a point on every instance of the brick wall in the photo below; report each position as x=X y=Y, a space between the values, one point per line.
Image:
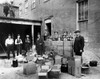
x=94 y=26
x=64 y=17
x=63 y=12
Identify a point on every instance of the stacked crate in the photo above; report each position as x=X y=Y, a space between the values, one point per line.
x=58 y=60
x=68 y=50
x=60 y=47
x=63 y=47
x=43 y=73
x=74 y=66
x=55 y=72
x=55 y=46
x=30 y=68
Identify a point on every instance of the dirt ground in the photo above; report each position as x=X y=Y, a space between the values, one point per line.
x=8 y=72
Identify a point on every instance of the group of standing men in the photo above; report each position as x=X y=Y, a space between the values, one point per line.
x=78 y=44
x=9 y=43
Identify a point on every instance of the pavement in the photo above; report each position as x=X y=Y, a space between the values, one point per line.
x=8 y=72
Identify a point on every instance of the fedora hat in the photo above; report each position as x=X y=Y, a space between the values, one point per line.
x=77 y=31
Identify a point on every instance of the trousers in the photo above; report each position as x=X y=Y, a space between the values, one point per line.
x=10 y=48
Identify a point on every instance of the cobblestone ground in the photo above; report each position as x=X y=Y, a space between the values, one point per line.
x=8 y=72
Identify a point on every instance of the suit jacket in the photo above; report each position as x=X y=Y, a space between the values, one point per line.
x=78 y=44
x=40 y=46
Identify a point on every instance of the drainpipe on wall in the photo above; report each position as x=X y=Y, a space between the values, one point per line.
x=32 y=28
x=77 y=16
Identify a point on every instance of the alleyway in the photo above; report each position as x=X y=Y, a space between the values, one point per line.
x=56 y=21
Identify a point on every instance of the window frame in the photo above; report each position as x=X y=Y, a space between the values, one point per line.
x=33 y=5
x=82 y=19
x=20 y=9
x=26 y=6
x=82 y=10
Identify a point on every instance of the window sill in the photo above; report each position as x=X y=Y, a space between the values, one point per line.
x=83 y=20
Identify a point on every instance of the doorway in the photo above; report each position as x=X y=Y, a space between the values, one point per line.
x=14 y=30
x=49 y=27
x=37 y=29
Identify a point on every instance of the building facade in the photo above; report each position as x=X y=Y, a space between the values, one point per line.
x=67 y=15
x=88 y=22
x=15 y=25
x=61 y=13
x=94 y=25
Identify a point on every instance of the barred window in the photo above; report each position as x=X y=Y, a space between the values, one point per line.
x=83 y=9
x=82 y=16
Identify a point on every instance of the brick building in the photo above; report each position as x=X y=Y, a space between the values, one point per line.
x=66 y=15
x=93 y=29
x=15 y=25
x=62 y=13
x=88 y=23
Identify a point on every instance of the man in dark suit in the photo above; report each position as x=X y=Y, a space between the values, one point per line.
x=40 y=45
x=78 y=43
x=27 y=43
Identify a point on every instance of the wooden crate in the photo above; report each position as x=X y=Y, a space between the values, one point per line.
x=58 y=59
x=55 y=72
x=43 y=75
x=29 y=68
x=74 y=66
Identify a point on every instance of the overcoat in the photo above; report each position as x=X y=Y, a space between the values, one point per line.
x=78 y=45
x=40 y=46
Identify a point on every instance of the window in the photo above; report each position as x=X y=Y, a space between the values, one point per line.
x=83 y=9
x=26 y=6
x=33 y=4
x=82 y=16
x=20 y=4
x=20 y=9
x=48 y=26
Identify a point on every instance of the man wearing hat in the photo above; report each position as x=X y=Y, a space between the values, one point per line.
x=27 y=43
x=78 y=43
x=9 y=43
x=39 y=45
